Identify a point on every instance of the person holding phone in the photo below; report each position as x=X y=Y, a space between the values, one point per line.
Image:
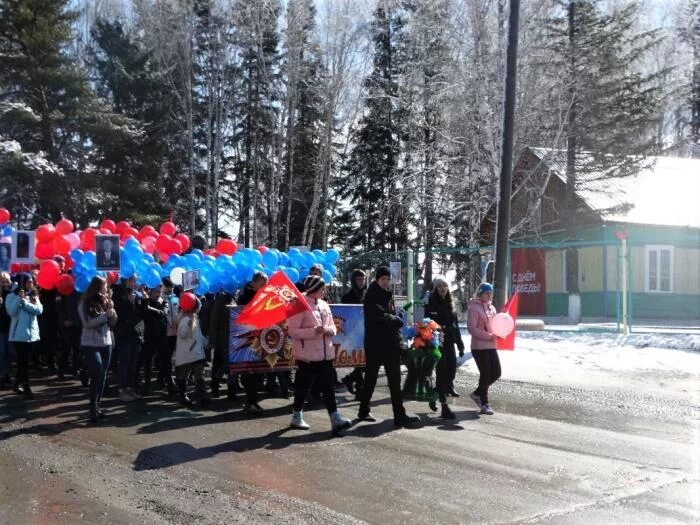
x=24 y=307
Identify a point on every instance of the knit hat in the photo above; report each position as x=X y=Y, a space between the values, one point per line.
x=484 y=288
x=382 y=271
x=313 y=283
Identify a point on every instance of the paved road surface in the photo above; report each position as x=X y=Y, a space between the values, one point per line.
x=551 y=454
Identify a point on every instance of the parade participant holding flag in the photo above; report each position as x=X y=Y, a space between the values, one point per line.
x=312 y=334
x=483 y=345
x=382 y=346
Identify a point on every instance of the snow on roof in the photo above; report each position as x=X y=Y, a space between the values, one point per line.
x=664 y=192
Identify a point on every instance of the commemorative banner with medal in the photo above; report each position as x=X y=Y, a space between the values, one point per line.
x=270 y=349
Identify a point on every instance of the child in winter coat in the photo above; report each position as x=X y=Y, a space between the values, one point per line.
x=312 y=334
x=189 y=350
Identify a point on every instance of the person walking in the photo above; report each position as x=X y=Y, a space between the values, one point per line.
x=483 y=345
x=5 y=320
x=189 y=351
x=97 y=317
x=382 y=347
x=252 y=381
x=165 y=359
x=441 y=310
x=24 y=308
x=355 y=380
x=220 y=321
x=312 y=334
x=70 y=332
x=155 y=314
x=127 y=303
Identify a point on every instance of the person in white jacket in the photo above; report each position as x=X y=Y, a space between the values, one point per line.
x=189 y=351
x=312 y=334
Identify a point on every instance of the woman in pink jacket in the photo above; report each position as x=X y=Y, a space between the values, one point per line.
x=481 y=311
x=312 y=334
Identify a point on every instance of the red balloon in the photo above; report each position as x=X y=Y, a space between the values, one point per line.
x=87 y=239
x=112 y=277
x=226 y=246
x=168 y=228
x=163 y=257
x=44 y=250
x=212 y=252
x=45 y=233
x=105 y=231
x=65 y=284
x=262 y=249
x=130 y=232
x=163 y=242
x=108 y=225
x=188 y=301
x=5 y=216
x=61 y=245
x=174 y=246
x=50 y=268
x=64 y=226
x=122 y=226
x=184 y=241
x=46 y=281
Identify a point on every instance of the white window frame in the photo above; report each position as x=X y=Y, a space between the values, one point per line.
x=657 y=248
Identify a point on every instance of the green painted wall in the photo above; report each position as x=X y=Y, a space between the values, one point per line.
x=643 y=305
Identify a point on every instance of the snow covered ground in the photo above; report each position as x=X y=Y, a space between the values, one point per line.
x=645 y=362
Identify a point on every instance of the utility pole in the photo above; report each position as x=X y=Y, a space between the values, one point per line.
x=503 y=224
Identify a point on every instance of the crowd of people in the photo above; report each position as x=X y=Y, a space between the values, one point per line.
x=126 y=341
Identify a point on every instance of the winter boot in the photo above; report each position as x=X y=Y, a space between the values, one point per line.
x=298 y=421
x=446 y=413
x=339 y=423
x=183 y=398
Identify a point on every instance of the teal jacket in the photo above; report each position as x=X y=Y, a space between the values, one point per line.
x=24 y=327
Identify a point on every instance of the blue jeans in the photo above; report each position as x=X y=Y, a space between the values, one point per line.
x=96 y=358
x=5 y=355
x=129 y=348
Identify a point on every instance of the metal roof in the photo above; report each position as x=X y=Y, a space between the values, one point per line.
x=665 y=191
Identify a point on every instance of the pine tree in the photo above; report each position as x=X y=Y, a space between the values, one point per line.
x=304 y=113
x=370 y=174
x=37 y=71
x=135 y=174
x=256 y=113
x=611 y=107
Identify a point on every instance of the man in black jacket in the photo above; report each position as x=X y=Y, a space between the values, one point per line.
x=383 y=347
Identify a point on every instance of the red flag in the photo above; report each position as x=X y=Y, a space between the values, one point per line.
x=278 y=300
x=511 y=308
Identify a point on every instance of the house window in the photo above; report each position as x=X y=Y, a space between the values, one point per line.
x=659 y=269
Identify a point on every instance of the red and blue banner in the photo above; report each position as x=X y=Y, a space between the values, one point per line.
x=269 y=349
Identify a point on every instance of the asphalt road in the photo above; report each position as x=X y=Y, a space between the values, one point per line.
x=551 y=454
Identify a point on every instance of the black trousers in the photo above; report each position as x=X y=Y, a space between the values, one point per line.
x=391 y=360
x=252 y=383
x=315 y=372
x=445 y=372
x=165 y=358
x=70 y=355
x=24 y=354
x=151 y=349
x=219 y=366
x=489 y=371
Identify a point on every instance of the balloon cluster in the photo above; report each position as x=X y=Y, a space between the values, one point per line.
x=148 y=255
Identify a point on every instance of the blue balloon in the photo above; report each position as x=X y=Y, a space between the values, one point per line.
x=82 y=281
x=8 y=231
x=197 y=253
x=332 y=270
x=89 y=260
x=77 y=256
x=327 y=276
x=176 y=260
x=203 y=287
x=132 y=246
x=270 y=259
x=333 y=256
x=149 y=258
x=319 y=255
x=309 y=259
x=293 y=274
x=152 y=278
x=127 y=270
